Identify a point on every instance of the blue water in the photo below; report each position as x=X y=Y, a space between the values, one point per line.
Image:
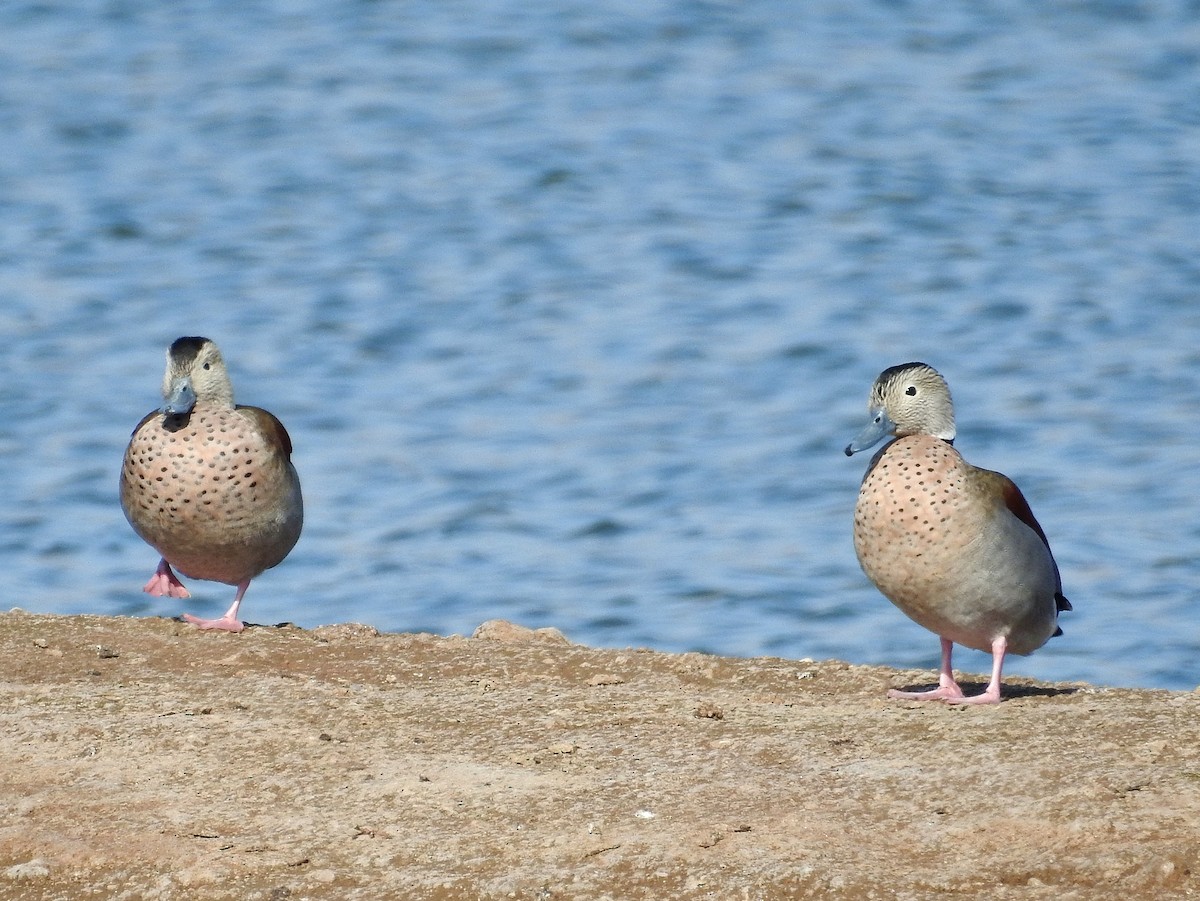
x=570 y=308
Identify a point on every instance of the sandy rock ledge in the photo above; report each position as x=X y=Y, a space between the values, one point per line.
x=143 y=759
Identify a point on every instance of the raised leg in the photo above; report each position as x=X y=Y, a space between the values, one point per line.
x=165 y=584
x=227 y=623
x=948 y=689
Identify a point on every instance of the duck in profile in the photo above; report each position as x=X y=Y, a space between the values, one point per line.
x=208 y=484
x=954 y=546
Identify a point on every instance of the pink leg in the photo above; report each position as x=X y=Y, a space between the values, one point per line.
x=165 y=584
x=991 y=694
x=227 y=623
x=948 y=689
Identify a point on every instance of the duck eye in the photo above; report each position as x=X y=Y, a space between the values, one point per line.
x=911 y=390
x=208 y=366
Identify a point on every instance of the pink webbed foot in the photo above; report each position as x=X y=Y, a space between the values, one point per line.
x=951 y=694
x=227 y=623
x=165 y=584
x=990 y=695
x=943 y=692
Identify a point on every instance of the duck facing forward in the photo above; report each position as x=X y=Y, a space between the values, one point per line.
x=209 y=484
x=954 y=546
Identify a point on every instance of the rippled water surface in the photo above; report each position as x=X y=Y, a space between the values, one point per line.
x=570 y=308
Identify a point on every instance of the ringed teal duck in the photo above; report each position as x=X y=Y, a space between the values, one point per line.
x=209 y=484
x=954 y=546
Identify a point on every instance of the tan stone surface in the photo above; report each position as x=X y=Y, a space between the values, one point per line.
x=143 y=759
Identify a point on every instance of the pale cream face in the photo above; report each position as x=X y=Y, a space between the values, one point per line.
x=916 y=399
x=197 y=363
